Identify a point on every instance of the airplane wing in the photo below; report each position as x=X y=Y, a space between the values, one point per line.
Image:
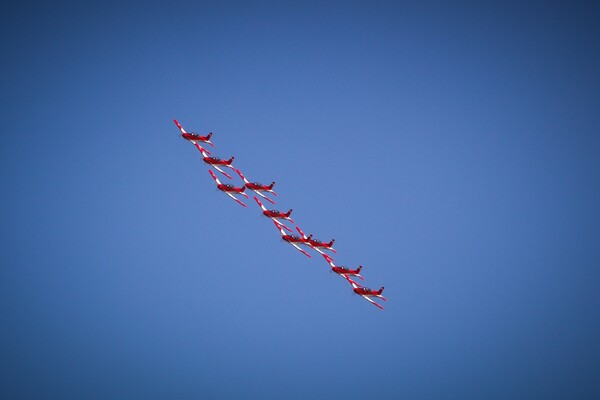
x=179 y=126
x=214 y=177
x=345 y=275
x=371 y=301
x=300 y=232
x=317 y=249
x=259 y=203
x=236 y=199
x=241 y=175
x=279 y=225
x=201 y=149
x=299 y=249
x=351 y=282
x=354 y=275
x=221 y=171
x=242 y=192
x=328 y=259
x=264 y=197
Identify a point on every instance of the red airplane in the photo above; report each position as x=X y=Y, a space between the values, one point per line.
x=275 y=214
x=317 y=244
x=365 y=292
x=193 y=137
x=258 y=187
x=215 y=162
x=294 y=240
x=343 y=271
x=228 y=188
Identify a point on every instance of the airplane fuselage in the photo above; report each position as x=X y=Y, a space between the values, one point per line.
x=257 y=186
x=194 y=137
x=216 y=161
x=274 y=214
x=366 y=292
x=230 y=188
x=344 y=271
x=317 y=243
x=293 y=239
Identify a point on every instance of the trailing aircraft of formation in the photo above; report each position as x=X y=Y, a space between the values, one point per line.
x=260 y=189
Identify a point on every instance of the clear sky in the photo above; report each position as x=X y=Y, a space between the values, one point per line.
x=452 y=150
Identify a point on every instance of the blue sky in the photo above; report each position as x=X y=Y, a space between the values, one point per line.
x=452 y=150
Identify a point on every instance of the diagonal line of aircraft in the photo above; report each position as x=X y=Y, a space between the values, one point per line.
x=276 y=216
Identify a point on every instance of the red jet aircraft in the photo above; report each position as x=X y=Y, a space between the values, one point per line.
x=228 y=188
x=194 y=137
x=275 y=214
x=365 y=292
x=215 y=162
x=294 y=240
x=258 y=187
x=317 y=244
x=343 y=271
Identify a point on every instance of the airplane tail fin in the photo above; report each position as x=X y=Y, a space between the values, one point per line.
x=358 y=272
x=271 y=189
x=330 y=246
x=380 y=290
x=208 y=139
x=230 y=160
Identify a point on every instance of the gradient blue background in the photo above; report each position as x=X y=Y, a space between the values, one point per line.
x=451 y=150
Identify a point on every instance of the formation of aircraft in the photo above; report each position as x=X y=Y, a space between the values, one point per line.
x=277 y=216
